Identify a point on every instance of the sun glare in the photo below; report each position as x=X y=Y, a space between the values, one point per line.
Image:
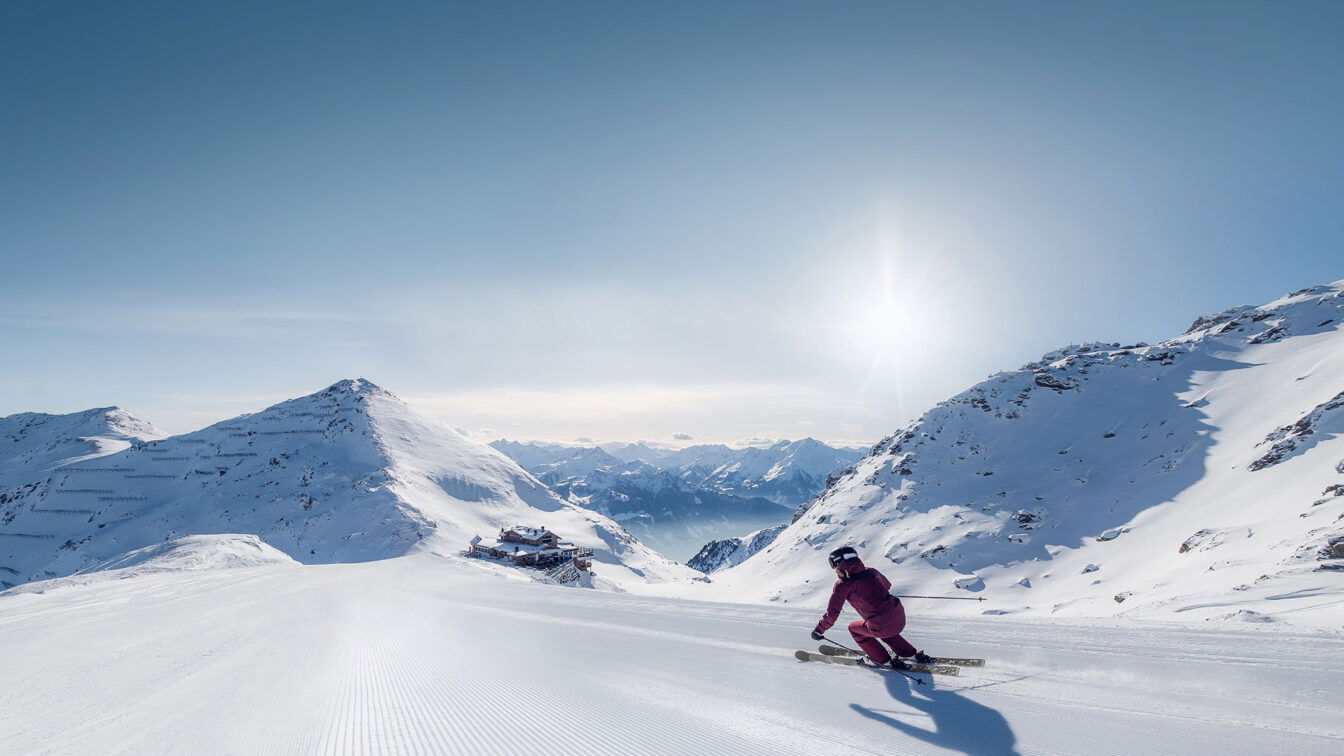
x=879 y=330
x=890 y=312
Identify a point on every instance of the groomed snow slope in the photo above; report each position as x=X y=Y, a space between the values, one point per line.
x=347 y=474
x=1197 y=479
x=427 y=655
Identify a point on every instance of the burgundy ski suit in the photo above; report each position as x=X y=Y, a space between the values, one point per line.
x=868 y=591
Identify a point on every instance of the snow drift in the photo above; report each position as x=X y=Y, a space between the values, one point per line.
x=225 y=551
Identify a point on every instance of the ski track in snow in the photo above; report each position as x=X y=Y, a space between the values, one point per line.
x=423 y=655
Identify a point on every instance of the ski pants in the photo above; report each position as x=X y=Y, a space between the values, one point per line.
x=870 y=634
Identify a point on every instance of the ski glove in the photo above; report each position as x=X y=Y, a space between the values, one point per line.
x=817 y=636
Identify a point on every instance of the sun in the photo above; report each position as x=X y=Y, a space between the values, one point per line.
x=890 y=322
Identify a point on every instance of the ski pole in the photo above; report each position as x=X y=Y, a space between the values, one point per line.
x=847 y=648
x=948 y=598
x=863 y=655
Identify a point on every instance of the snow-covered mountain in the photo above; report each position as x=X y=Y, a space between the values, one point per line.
x=671 y=515
x=534 y=453
x=639 y=451
x=698 y=463
x=31 y=443
x=789 y=472
x=1200 y=477
x=727 y=552
x=577 y=462
x=347 y=474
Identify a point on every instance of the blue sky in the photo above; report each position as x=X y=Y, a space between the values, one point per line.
x=629 y=220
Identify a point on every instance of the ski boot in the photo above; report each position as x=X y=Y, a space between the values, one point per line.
x=922 y=658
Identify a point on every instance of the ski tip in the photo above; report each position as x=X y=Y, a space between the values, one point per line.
x=801 y=656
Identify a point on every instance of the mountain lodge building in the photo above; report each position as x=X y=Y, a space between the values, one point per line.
x=527 y=546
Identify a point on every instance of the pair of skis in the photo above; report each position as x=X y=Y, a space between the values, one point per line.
x=835 y=655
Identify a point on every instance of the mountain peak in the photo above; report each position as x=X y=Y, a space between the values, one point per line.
x=357 y=387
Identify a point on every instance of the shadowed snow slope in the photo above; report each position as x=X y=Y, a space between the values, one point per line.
x=425 y=655
x=1199 y=478
x=344 y=475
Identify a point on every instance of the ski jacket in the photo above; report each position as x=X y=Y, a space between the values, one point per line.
x=868 y=591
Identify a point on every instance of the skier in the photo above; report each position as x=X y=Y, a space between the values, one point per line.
x=869 y=592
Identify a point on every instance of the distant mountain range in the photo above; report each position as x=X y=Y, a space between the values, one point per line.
x=347 y=474
x=677 y=500
x=787 y=472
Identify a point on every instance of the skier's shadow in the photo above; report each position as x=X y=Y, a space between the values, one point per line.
x=958 y=722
